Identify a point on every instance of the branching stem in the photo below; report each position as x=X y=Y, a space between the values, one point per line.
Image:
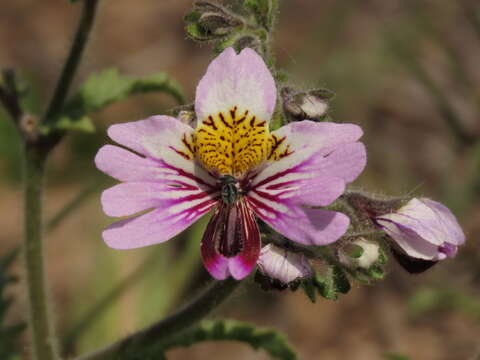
x=158 y=333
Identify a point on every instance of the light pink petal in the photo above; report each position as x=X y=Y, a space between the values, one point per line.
x=282 y=265
x=308 y=134
x=410 y=242
x=316 y=149
x=130 y=198
x=241 y=80
x=315 y=179
x=152 y=136
x=155 y=227
x=345 y=162
x=297 y=223
x=317 y=191
x=434 y=223
x=448 y=222
x=123 y=165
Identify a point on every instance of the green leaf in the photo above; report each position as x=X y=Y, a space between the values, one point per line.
x=263 y=10
x=196 y=32
x=334 y=281
x=340 y=280
x=308 y=287
x=83 y=124
x=325 y=285
x=273 y=342
x=107 y=87
x=376 y=272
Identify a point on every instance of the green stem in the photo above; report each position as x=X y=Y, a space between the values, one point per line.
x=73 y=60
x=161 y=331
x=42 y=333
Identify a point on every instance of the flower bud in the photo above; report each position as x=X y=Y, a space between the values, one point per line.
x=283 y=267
x=306 y=105
x=422 y=229
x=218 y=24
x=361 y=253
x=210 y=21
x=247 y=41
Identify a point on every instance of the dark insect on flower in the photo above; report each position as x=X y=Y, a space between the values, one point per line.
x=229 y=189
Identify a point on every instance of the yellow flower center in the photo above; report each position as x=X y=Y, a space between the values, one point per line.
x=234 y=142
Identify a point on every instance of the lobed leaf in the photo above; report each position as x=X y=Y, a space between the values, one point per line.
x=273 y=342
x=108 y=87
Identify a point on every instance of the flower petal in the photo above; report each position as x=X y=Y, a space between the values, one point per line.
x=312 y=136
x=282 y=265
x=297 y=223
x=317 y=191
x=429 y=220
x=152 y=136
x=155 y=227
x=246 y=240
x=315 y=149
x=447 y=219
x=241 y=80
x=310 y=177
x=167 y=145
x=130 y=198
x=409 y=241
x=124 y=165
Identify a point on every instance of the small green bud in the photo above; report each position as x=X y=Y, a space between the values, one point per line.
x=210 y=21
x=306 y=105
x=218 y=24
x=263 y=10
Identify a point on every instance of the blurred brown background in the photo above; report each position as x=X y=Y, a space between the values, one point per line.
x=407 y=71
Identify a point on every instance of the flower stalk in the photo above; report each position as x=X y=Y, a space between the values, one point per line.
x=42 y=333
x=164 y=330
x=37 y=146
x=73 y=60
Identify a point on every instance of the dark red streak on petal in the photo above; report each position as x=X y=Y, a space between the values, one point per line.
x=185 y=174
x=277 y=175
x=256 y=205
x=181 y=153
x=251 y=235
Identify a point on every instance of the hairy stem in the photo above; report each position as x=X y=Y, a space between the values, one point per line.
x=73 y=60
x=43 y=338
x=36 y=150
x=163 y=330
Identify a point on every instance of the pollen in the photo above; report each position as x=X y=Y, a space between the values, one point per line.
x=232 y=142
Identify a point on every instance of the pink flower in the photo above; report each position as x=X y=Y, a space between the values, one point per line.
x=423 y=229
x=232 y=164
